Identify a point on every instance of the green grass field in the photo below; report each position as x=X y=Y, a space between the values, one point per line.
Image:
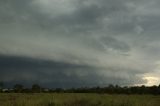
x=75 y=99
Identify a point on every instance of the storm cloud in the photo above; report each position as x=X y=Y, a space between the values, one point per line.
x=74 y=43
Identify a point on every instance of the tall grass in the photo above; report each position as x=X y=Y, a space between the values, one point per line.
x=75 y=99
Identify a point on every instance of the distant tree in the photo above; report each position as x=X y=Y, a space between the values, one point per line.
x=18 y=88
x=1 y=86
x=36 y=88
x=111 y=88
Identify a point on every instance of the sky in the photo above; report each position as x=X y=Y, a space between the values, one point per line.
x=78 y=43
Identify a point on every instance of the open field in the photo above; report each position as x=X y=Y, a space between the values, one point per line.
x=75 y=99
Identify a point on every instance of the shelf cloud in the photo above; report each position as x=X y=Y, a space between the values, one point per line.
x=75 y=43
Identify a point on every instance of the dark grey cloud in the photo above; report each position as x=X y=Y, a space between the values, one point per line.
x=115 y=44
x=56 y=74
x=79 y=42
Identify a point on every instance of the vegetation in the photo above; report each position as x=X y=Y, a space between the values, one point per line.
x=95 y=96
x=110 y=89
x=76 y=99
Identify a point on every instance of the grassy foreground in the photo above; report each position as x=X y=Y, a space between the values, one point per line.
x=75 y=99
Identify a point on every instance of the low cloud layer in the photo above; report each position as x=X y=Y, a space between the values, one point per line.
x=73 y=43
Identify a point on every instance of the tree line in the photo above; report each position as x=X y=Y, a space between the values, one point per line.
x=110 y=89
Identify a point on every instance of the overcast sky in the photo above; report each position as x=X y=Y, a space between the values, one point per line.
x=75 y=43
